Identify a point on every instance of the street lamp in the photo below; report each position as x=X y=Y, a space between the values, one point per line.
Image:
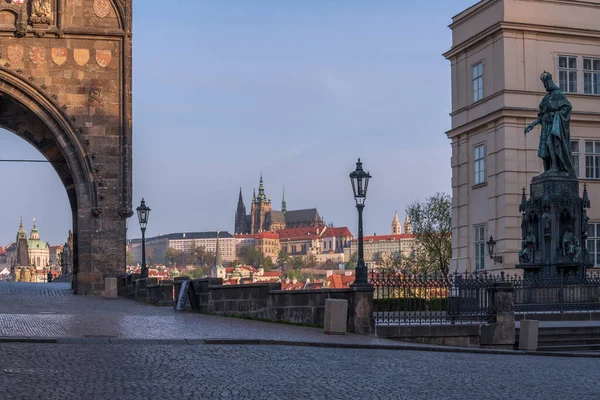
x=143 y=213
x=491 y=250
x=360 y=183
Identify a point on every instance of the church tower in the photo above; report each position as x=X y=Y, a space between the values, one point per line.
x=22 y=247
x=241 y=227
x=283 y=203
x=261 y=205
x=396 y=227
x=407 y=226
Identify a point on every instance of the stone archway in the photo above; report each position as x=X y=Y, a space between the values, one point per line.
x=65 y=87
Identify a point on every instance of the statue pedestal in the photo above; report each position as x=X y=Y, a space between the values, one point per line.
x=554 y=227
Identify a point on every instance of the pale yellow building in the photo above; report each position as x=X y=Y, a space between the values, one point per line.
x=499 y=50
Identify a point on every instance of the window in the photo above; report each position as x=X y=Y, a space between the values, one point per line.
x=477 y=82
x=575 y=156
x=591 y=76
x=592 y=160
x=593 y=243
x=479 y=247
x=567 y=74
x=479 y=164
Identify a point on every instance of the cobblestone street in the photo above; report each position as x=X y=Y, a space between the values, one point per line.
x=96 y=367
x=54 y=371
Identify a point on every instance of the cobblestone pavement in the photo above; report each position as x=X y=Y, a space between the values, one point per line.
x=56 y=371
x=51 y=311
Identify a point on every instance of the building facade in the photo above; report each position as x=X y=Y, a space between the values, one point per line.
x=499 y=50
x=157 y=246
x=263 y=218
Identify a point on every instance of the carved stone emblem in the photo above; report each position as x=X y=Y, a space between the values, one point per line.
x=59 y=56
x=103 y=57
x=41 y=12
x=101 y=8
x=81 y=56
x=37 y=55
x=15 y=53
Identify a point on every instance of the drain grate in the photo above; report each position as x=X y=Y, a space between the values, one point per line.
x=30 y=371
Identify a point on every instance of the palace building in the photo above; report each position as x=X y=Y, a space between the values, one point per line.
x=499 y=50
x=263 y=218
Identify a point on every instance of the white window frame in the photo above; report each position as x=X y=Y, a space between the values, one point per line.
x=593 y=243
x=591 y=76
x=479 y=242
x=592 y=159
x=566 y=81
x=576 y=156
x=477 y=71
x=479 y=164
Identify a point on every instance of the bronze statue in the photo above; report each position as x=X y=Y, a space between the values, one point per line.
x=527 y=252
x=555 y=118
x=571 y=248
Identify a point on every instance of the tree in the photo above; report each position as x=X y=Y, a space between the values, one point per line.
x=130 y=258
x=282 y=259
x=250 y=256
x=267 y=263
x=297 y=262
x=431 y=223
x=309 y=262
x=351 y=264
x=171 y=256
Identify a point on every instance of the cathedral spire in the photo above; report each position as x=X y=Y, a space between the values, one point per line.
x=283 y=203
x=240 y=216
x=396 y=227
x=261 y=190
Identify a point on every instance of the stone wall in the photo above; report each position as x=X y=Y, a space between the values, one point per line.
x=268 y=302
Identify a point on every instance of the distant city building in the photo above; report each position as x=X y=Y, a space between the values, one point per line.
x=157 y=246
x=499 y=50
x=263 y=218
x=28 y=259
x=392 y=245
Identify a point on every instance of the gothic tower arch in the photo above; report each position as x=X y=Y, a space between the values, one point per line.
x=65 y=87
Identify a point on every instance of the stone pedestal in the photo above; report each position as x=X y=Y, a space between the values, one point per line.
x=360 y=311
x=110 y=288
x=336 y=316
x=500 y=331
x=528 y=335
x=554 y=227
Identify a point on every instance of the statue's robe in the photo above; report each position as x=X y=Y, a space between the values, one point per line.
x=555 y=117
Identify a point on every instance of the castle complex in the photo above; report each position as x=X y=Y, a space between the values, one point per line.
x=263 y=218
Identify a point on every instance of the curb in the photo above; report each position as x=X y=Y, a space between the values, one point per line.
x=267 y=342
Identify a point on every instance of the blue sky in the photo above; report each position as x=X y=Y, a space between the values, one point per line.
x=298 y=90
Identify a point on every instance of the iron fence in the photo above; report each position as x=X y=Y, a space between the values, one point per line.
x=556 y=294
x=411 y=299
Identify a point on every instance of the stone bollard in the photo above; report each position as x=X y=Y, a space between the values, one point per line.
x=140 y=289
x=110 y=288
x=500 y=331
x=336 y=316
x=528 y=335
x=166 y=288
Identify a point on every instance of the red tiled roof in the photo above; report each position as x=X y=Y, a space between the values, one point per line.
x=301 y=233
x=334 y=232
x=272 y=273
x=337 y=281
x=266 y=235
x=382 y=238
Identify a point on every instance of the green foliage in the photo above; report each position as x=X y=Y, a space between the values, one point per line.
x=309 y=261
x=267 y=263
x=294 y=274
x=351 y=263
x=431 y=224
x=130 y=259
x=196 y=256
x=297 y=262
x=282 y=259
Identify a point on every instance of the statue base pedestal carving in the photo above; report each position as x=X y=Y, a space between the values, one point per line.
x=554 y=227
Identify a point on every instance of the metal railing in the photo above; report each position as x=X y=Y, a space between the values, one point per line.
x=412 y=299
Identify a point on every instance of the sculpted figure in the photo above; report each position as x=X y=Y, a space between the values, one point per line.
x=555 y=118
x=527 y=252
x=571 y=247
x=41 y=8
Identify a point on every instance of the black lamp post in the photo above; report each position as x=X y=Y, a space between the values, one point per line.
x=360 y=184
x=143 y=213
x=491 y=250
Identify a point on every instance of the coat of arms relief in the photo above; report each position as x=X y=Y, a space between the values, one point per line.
x=41 y=12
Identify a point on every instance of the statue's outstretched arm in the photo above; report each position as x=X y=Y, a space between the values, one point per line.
x=532 y=125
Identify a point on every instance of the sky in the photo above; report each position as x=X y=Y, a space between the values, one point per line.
x=297 y=90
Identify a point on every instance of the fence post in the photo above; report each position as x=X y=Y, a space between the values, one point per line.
x=500 y=331
x=561 y=299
